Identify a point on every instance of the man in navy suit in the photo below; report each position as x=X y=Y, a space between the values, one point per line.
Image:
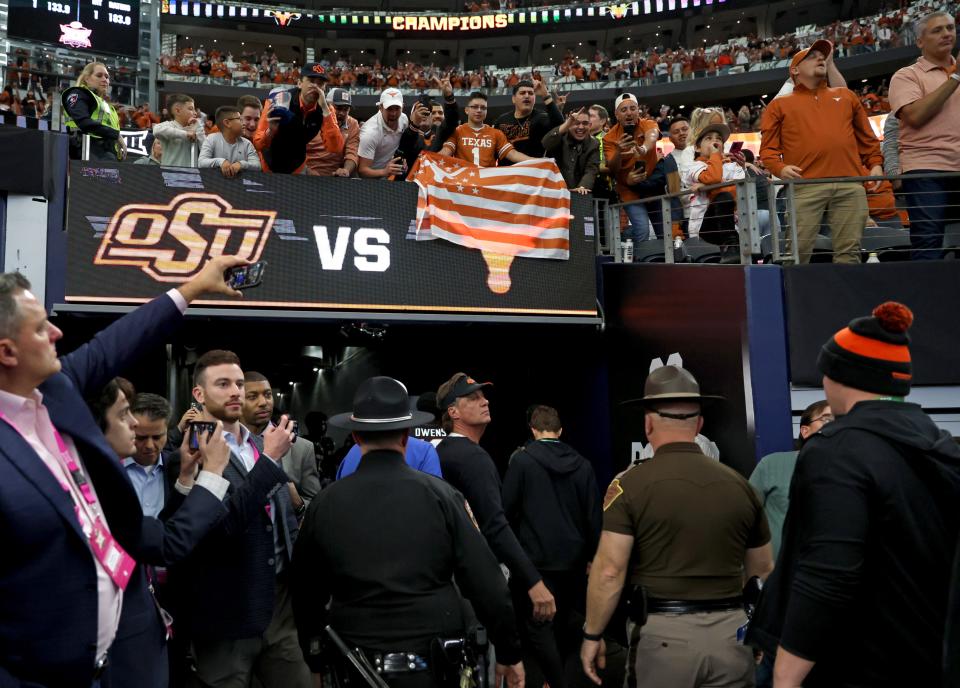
x=233 y=594
x=71 y=528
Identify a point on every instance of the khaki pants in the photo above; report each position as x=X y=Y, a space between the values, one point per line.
x=274 y=659
x=846 y=207
x=689 y=651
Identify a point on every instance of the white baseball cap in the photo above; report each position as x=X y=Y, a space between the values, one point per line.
x=622 y=97
x=390 y=97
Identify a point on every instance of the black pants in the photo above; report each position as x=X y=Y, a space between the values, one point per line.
x=718 y=226
x=546 y=645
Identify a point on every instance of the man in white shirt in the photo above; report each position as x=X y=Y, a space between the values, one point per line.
x=383 y=147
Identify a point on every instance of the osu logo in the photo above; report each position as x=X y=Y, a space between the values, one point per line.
x=172 y=242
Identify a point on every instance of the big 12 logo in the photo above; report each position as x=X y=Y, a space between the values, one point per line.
x=172 y=242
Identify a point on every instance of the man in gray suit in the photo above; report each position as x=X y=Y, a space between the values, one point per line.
x=300 y=463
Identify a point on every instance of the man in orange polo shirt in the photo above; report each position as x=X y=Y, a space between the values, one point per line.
x=630 y=149
x=924 y=98
x=821 y=132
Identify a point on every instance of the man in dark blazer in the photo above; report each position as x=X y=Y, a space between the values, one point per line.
x=300 y=463
x=71 y=527
x=234 y=599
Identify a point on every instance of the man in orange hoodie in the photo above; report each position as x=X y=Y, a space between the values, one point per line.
x=819 y=132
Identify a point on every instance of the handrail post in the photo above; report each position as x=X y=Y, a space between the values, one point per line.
x=747 y=211
x=792 y=214
x=775 y=228
x=667 y=224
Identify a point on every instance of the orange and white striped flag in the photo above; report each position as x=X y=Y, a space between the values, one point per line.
x=518 y=211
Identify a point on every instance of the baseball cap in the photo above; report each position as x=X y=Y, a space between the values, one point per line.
x=460 y=385
x=391 y=97
x=823 y=45
x=339 y=96
x=622 y=97
x=314 y=70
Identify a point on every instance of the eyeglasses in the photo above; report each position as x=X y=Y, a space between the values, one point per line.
x=824 y=419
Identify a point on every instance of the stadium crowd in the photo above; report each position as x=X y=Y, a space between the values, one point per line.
x=614 y=153
x=654 y=64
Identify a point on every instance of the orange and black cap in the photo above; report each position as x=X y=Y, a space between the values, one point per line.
x=873 y=353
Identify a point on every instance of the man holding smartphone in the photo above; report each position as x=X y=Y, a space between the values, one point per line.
x=234 y=596
x=388 y=142
x=630 y=149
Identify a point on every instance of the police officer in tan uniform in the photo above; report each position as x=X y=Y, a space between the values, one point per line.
x=689 y=531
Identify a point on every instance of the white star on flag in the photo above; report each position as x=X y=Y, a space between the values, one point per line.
x=459 y=187
x=476 y=190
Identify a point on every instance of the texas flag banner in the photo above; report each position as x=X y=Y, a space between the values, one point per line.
x=518 y=211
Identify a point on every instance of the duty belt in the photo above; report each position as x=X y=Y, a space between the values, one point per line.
x=398 y=662
x=656 y=606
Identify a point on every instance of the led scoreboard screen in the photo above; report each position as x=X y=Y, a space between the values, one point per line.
x=100 y=26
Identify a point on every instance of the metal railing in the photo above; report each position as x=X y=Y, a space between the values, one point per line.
x=771 y=233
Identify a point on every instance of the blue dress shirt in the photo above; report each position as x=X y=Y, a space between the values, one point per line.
x=148 y=485
x=420 y=455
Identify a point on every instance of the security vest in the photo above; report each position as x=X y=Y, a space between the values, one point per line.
x=103 y=113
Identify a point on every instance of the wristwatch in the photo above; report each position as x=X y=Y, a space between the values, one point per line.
x=955 y=77
x=593 y=637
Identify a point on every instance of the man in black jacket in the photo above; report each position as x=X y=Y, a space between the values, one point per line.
x=551 y=499
x=378 y=552
x=292 y=119
x=576 y=152
x=860 y=591
x=526 y=127
x=469 y=468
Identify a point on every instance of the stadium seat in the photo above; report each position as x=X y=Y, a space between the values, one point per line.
x=700 y=251
x=951 y=239
x=889 y=244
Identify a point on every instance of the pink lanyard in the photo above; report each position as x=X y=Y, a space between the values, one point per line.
x=117 y=563
x=79 y=479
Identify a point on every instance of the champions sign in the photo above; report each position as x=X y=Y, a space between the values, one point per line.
x=474 y=22
x=135 y=230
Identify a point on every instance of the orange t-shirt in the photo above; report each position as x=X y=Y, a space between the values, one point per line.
x=484 y=147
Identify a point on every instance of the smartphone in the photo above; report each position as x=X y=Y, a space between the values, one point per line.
x=736 y=147
x=295 y=429
x=641 y=165
x=425 y=100
x=196 y=406
x=245 y=276
x=629 y=129
x=198 y=428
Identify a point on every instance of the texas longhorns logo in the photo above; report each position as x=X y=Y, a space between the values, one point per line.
x=284 y=18
x=163 y=242
x=618 y=11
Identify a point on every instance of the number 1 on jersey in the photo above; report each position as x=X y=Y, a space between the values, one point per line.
x=476 y=156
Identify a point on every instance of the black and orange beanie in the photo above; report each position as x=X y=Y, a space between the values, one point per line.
x=873 y=353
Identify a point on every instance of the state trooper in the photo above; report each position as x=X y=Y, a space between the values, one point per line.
x=689 y=531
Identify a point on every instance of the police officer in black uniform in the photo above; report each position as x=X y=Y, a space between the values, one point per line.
x=382 y=547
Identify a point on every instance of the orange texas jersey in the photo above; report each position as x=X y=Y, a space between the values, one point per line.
x=483 y=147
